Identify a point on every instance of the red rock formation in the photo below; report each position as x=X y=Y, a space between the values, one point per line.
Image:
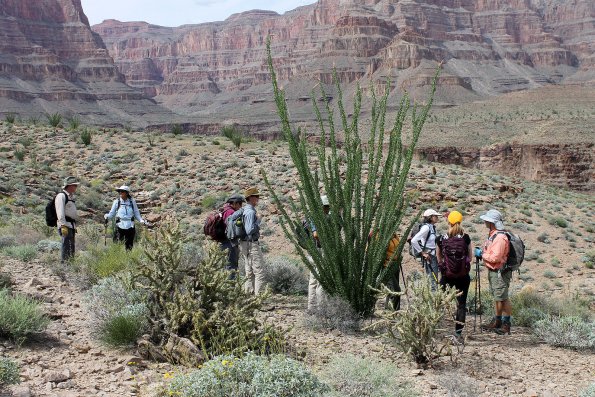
x=51 y=60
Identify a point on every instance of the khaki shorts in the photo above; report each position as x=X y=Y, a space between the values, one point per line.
x=499 y=284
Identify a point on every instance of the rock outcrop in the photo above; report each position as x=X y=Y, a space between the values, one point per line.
x=51 y=60
x=489 y=46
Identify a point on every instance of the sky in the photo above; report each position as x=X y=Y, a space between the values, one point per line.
x=179 y=12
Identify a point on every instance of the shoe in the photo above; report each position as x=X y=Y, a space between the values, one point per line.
x=494 y=325
x=504 y=330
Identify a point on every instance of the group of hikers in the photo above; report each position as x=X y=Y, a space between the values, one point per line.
x=446 y=258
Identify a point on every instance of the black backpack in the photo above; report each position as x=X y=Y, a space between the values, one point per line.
x=51 y=217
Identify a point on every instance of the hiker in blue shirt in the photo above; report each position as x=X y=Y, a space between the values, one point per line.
x=126 y=211
x=249 y=245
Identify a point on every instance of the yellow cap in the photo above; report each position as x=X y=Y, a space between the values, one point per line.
x=455 y=217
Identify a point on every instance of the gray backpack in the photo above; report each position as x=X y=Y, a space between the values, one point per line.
x=234 y=229
x=516 y=251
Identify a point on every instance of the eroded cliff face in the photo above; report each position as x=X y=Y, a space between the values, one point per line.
x=489 y=46
x=51 y=60
x=569 y=165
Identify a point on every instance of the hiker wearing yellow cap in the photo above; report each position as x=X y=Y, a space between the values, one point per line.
x=454 y=252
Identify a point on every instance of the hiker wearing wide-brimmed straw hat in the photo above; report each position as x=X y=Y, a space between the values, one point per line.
x=125 y=210
x=250 y=245
x=66 y=215
x=424 y=244
x=495 y=254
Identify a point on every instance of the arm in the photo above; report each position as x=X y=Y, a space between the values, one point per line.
x=439 y=252
x=112 y=212
x=60 y=202
x=250 y=223
x=136 y=211
x=418 y=240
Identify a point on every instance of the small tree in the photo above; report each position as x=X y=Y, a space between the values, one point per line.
x=365 y=185
x=232 y=133
x=86 y=137
x=177 y=129
x=54 y=119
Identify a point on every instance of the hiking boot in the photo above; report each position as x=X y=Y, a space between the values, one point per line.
x=504 y=330
x=494 y=325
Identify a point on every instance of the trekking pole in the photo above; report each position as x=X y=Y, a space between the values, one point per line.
x=105 y=234
x=478 y=281
x=404 y=283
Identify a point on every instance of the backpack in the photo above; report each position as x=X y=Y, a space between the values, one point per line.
x=303 y=233
x=132 y=204
x=51 y=217
x=516 y=251
x=414 y=231
x=215 y=226
x=235 y=226
x=456 y=261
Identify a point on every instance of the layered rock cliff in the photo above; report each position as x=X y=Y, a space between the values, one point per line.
x=490 y=47
x=51 y=60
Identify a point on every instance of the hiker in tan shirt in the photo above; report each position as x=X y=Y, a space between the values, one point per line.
x=67 y=216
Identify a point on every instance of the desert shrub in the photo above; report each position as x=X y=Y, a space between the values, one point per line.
x=86 y=137
x=416 y=329
x=569 y=332
x=285 y=276
x=10 y=118
x=20 y=316
x=54 y=119
x=100 y=262
x=364 y=179
x=249 y=376
x=543 y=238
x=589 y=391
x=209 y=202
x=9 y=372
x=118 y=314
x=558 y=221
x=74 y=122
x=6 y=281
x=197 y=301
x=333 y=313
x=549 y=274
x=24 y=253
x=7 y=241
x=459 y=384
x=351 y=376
x=48 y=246
x=176 y=129
x=233 y=134
x=19 y=153
x=91 y=199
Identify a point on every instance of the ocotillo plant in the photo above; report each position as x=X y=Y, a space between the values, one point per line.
x=365 y=185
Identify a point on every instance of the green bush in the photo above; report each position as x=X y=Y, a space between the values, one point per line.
x=285 y=276
x=232 y=133
x=100 y=262
x=351 y=376
x=20 y=316
x=24 y=253
x=54 y=119
x=176 y=129
x=333 y=313
x=558 y=221
x=118 y=314
x=19 y=153
x=10 y=118
x=74 y=123
x=86 y=137
x=9 y=372
x=569 y=332
x=589 y=391
x=248 y=376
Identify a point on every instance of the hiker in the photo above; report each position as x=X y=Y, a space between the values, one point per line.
x=424 y=244
x=454 y=252
x=495 y=254
x=316 y=294
x=393 y=302
x=233 y=204
x=249 y=245
x=125 y=210
x=67 y=217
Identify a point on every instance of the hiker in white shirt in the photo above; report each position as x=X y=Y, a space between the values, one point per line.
x=67 y=216
x=424 y=243
x=126 y=211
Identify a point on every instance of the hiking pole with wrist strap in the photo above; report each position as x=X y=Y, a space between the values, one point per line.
x=477 y=289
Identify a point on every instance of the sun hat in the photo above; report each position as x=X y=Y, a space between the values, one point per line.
x=455 y=217
x=123 y=188
x=69 y=181
x=251 y=192
x=324 y=200
x=235 y=198
x=430 y=212
x=495 y=217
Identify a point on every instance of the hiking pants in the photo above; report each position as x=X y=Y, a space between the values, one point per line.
x=394 y=302
x=233 y=256
x=431 y=269
x=67 y=249
x=126 y=236
x=254 y=265
x=461 y=284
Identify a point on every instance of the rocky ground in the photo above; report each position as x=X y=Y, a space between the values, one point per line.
x=188 y=175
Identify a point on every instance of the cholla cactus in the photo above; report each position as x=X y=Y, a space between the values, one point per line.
x=365 y=185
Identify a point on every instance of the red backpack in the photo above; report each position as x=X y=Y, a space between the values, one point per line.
x=456 y=260
x=215 y=226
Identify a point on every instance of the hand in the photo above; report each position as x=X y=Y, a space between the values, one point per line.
x=478 y=252
x=425 y=255
x=64 y=231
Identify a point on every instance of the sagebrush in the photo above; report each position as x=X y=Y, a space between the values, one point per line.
x=9 y=373
x=569 y=332
x=285 y=276
x=20 y=316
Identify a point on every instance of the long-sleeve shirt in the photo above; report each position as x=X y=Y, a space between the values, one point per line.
x=65 y=210
x=419 y=240
x=390 y=251
x=126 y=214
x=251 y=223
x=227 y=212
x=495 y=250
